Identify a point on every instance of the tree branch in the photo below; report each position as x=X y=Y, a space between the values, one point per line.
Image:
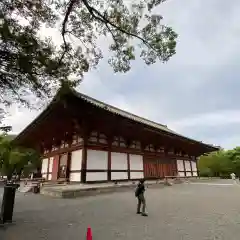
x=113 y=36
x=103 y=19
x=64 y=24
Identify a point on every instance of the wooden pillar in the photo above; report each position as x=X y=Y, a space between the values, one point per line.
x=175 y=170
x=191 y=166
x=128 y=166
x=176 y=167
x=68 y=140
x=184 y=167
x=55 y=168
x=82 y=129
x=84 y=161
x=171 y=168
x=109 y=175
x=109 y=163
x=68 y=165
x=146 y=165
x=48 y=167
x=128 y=144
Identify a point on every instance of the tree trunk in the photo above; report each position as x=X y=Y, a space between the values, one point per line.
x=9 y=176
x=19 y=173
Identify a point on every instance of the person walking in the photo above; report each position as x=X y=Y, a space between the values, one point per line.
x=233 y=177
x=139 y=193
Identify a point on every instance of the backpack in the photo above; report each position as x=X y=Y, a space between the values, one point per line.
x=137 y=192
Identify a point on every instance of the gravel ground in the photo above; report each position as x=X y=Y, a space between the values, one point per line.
x=186 y=211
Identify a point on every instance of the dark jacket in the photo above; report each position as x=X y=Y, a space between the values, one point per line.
x=140 y=189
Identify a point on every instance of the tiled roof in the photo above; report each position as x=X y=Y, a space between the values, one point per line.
x=124 y=113
x=114 y=110
x=133 y=116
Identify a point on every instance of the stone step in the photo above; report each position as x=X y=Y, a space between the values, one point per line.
x=26 y=189
x=80 y=190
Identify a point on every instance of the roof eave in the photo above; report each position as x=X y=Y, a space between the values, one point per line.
x=22 y=134
x=59 y=96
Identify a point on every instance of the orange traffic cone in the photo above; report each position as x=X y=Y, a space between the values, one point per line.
x=89 y=233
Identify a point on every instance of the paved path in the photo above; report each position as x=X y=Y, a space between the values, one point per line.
x=180 y=212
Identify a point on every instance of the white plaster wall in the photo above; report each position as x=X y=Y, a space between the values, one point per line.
x=96 y=176
x=187 y=166
x=75 y=177
x=119 y=161
x=76 y=160
x=119 y=175
x=97 y=159
x=44 y=176
x=195 y=174
x=49 y=176
x=188 y=174
x=181 y=174
x=50 y=164
x=194 y=166
x=136 y=162
x=44 y=165
x=136 y=175
x=180 y=166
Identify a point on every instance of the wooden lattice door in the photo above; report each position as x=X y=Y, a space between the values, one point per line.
x=158 y=168
x=151 y=168
x=62 y=171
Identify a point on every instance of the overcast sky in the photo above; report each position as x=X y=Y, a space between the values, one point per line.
x=196 y=93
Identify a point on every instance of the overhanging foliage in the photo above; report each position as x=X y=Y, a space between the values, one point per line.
x=30 y=63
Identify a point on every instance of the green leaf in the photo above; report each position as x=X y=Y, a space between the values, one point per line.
x=14 y=159
x=38 y=65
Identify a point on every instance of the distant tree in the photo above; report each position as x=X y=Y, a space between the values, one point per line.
x=33 y=63
x=210 y=164
x=206 y=172
x=14 y=160
x=220 y=163
x=234 y=157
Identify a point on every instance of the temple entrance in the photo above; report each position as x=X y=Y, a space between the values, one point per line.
x=155 y=168
x=62 y=170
